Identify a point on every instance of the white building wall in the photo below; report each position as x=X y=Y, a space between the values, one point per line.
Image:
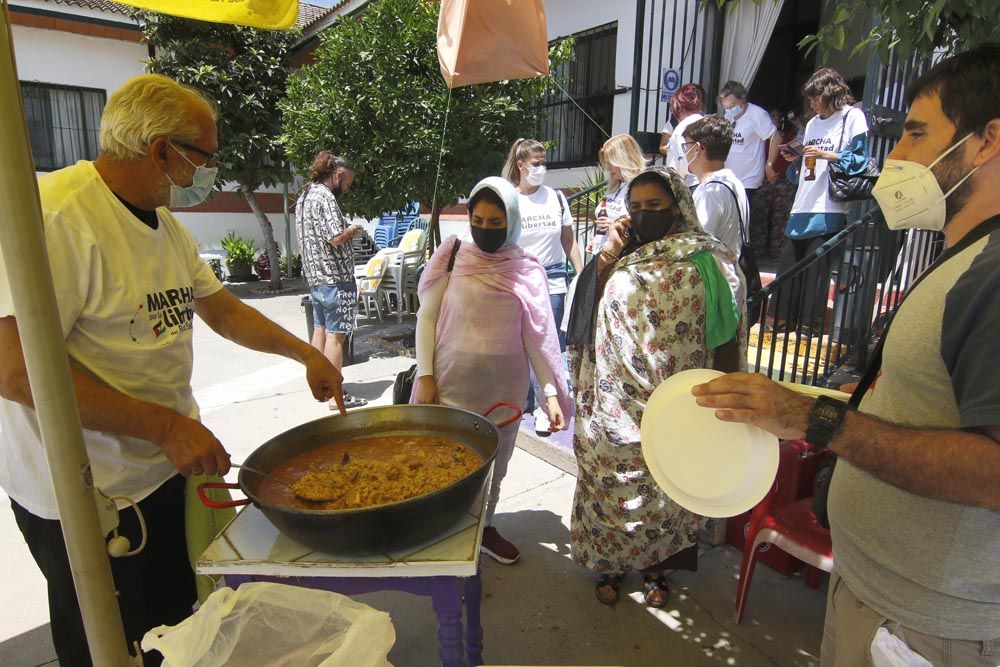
x=68 y=59
x=52 y=56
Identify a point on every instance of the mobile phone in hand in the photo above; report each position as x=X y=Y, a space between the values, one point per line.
x=794 y=146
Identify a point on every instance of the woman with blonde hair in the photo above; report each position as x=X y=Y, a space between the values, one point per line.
x=547 y=233
x=621 y=159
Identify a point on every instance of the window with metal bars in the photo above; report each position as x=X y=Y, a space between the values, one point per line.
x=589 y=78
x=63 y=123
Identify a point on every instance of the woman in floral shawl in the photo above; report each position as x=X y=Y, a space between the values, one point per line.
x=663 y=296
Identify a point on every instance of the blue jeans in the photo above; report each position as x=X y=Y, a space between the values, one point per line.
x=335 y=306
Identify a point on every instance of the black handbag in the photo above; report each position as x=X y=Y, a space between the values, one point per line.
x=851 y=188
x=402 y=388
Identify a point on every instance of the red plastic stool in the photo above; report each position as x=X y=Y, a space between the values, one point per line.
x=793 y=529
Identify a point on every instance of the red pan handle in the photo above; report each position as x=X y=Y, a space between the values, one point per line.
x=517 y=413
x=219 y=505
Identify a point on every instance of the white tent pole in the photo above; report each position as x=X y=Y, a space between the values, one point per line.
x=23 y=245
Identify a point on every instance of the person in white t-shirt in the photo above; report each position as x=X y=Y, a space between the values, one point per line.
x=720 y=200
x=621 y=159
x=128 y=282
x=749 y=158
x=546 y=232
x=687 y=105
x=838 y=133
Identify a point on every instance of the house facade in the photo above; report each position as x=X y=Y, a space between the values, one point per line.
x=71 y=55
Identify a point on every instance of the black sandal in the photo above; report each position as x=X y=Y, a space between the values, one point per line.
x=649 y=585
x=612 y=581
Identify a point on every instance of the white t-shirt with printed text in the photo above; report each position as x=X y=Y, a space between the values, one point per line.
x=544 y=214
x=747 y=156
x=813 y=196
x=126 y=297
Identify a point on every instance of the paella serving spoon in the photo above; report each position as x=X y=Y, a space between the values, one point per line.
x=263 y=474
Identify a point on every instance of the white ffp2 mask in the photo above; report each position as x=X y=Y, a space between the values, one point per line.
x=911 y=197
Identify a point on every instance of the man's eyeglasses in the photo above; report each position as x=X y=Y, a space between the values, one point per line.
x=210 y=158
x=687 y=145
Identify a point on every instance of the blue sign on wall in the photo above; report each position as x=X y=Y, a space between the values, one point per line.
x=670 y=81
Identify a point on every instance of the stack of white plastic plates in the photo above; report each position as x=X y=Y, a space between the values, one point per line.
x=710 y=467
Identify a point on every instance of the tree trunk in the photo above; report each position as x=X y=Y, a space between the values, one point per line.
x=434 y=228
x=270 y=246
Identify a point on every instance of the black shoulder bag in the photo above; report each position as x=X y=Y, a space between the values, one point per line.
x=851 y=188
x=748 y=256
x=402 y=388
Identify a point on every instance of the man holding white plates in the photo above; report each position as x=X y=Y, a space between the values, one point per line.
x=914 y=504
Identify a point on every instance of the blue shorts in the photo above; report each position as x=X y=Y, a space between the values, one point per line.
x=335 y=306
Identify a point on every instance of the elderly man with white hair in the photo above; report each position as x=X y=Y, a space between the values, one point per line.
x=128 y=283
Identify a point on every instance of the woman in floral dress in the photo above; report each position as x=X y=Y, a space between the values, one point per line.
x=662 y=297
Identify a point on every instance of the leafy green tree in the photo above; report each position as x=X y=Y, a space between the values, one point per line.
x=245 y=72
x=375 y=95
x=918 y=27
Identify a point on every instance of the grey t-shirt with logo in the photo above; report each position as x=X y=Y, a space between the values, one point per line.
x=930 y=565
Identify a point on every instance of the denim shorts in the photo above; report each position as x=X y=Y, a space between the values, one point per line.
x=335 y=306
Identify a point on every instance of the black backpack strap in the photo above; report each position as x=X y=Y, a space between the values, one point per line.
x=454 y=252
x=744 y=237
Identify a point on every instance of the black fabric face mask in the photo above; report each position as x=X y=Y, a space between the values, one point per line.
x=489 y=240
x=653 y=225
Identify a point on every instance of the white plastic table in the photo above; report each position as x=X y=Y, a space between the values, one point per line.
x=446 y=569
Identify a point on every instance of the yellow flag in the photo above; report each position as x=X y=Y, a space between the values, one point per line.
x=269 y=14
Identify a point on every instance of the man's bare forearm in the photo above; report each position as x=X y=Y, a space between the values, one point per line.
x=951 y=465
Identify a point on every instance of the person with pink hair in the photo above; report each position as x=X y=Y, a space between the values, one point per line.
x=687 y=105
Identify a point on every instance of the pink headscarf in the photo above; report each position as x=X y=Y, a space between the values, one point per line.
x=513 y=271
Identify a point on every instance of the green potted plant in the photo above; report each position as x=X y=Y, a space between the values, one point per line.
x=296 y=265
x=240 y=254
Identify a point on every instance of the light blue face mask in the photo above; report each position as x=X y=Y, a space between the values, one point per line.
x=200 y=188
x=732 y=112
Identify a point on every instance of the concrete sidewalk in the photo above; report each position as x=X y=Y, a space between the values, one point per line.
x=540 y=611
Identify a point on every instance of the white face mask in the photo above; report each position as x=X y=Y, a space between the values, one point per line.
x=194 y=194
x=684 y=163
x=911 y=197
x=536 y=175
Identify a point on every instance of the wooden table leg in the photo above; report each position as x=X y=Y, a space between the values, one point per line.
x=446 y=595
x=473 y=626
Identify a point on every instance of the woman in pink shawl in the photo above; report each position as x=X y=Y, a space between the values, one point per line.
x=480 y=325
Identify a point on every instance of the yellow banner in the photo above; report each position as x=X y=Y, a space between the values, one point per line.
x=270 y=14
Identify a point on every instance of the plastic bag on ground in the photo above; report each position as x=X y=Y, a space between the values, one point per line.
x=274 y=625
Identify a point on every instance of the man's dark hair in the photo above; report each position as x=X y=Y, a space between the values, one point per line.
x=325 y=163
x=489 y=195
x=968 y=86
x=714 y=133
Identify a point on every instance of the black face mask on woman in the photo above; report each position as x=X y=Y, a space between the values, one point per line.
x=489 y=240
x=653 y=225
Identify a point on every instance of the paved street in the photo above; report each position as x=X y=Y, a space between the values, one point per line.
x=541 y=611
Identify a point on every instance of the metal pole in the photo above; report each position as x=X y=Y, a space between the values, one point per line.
x=288 y=232
x=640 y=11
x=23 y=245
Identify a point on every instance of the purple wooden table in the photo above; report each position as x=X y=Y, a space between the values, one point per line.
x=445 y=569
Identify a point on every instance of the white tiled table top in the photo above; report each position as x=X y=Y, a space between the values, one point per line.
x=251 y=545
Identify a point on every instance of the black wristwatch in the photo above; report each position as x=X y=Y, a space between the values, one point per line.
x=824 y=421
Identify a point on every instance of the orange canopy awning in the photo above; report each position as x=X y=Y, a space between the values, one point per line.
x=491 y=40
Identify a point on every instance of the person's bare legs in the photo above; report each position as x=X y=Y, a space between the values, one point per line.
x=333 y=349
x=319 y=338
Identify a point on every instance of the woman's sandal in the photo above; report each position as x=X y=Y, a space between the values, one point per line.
x=649 y=588
x=612 y=581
